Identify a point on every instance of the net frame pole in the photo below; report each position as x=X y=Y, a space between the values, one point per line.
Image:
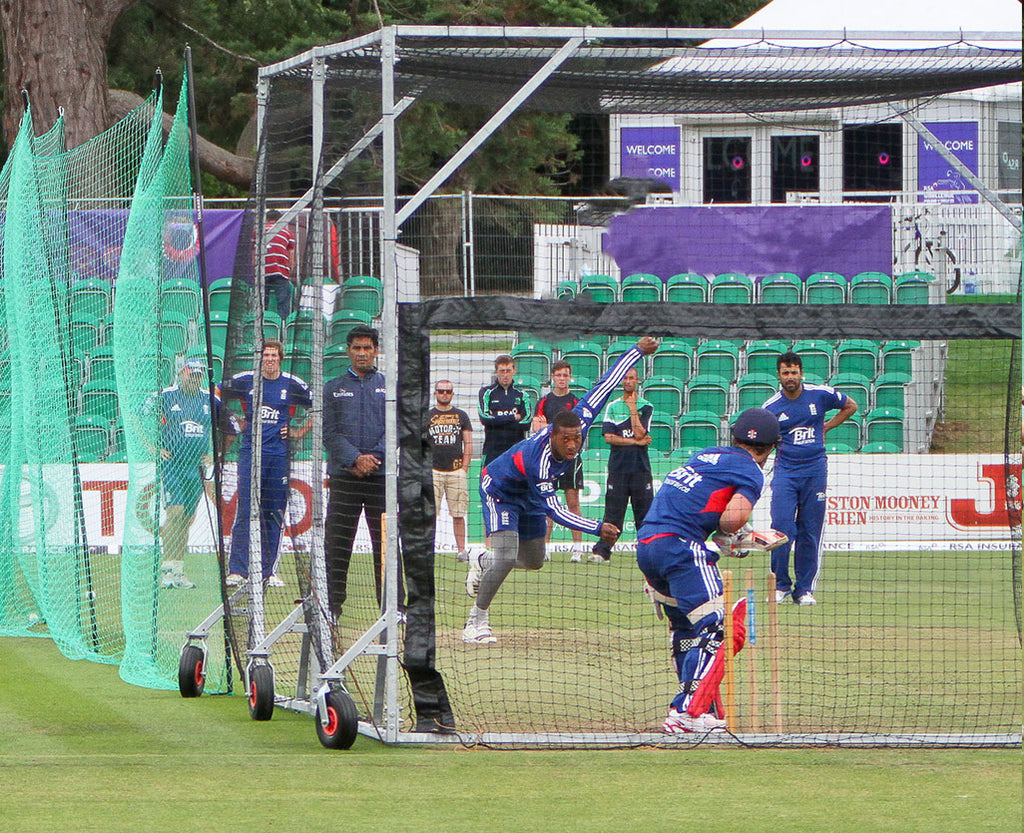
x=389 y=325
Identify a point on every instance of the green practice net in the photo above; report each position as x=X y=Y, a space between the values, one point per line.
x=105 y=411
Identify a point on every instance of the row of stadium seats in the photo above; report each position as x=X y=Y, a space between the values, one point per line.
x=734 y=288
x=683 y=358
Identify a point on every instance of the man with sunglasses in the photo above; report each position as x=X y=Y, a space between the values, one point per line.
x=451 y=441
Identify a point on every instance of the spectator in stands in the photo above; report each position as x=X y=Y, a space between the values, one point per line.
x=279 y=273
x=561 y=399
x=354 y=439
x=626 y=424
x=451 y=441
x=282 y=394
x=801 y=475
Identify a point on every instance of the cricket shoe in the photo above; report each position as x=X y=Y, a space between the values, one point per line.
x=176 y=580
x=462 y=556
x=577 y=554
x=476 y=569
x=275 y=581
x=234 y=579
x=478 y=634
x=780 y=596
x=806 y=600
x=597 y=558
x=680 y=722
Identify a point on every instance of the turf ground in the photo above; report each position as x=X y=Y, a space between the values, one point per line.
x=81 y=750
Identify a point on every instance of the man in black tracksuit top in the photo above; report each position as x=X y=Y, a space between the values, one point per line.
x=502 y=410
x=354 y=439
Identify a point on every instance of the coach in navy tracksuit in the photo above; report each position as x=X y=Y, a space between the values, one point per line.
x=801 y=475
x=354 y=438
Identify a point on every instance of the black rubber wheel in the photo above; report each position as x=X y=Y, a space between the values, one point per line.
x=261 y=692
x=191 y=671
x=342 y=722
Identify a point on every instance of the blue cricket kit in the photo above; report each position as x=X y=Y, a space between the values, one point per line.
x=281 y=396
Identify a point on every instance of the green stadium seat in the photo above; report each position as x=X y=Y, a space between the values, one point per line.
x=781 y=288
x=897 y=356
x=99 y=364
x=117 y=451
x=849 y=433
x=762 y=356
x=91 y=297
x=176 y=331
x=567 y=290
x=531 y=388
x=699 y=429
x=679 y=457
x=99 y=398
x=299 y=363
x=884 y=425
x=595 y=458
x=838 y=448
x=825 y=288
x=533 y=358
x=718 y=357
x=600 y=288
x=335 y=361
x=881 y=448
x=666 y=395
x=663 y=436
x=616 y=349
x=871 y=288
x=595 y=436
x=912 y=287
x=298 y=330
x=855 y=385
x=92 y=438
x=220 y=295
x=181 y=295
x=343 y=321
x=708 y=392
x=816 y=355
x=687 y=288
x=586 y=358
x=641 y=287
x=890 y=391
x=754 y=389
x=857 y=355
x=674 y=357
x=363 y=292
x=85 y=332
x=731 y=288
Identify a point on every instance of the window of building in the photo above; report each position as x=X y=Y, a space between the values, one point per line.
x=795 y=165
x=872 y=160
x=727 y=169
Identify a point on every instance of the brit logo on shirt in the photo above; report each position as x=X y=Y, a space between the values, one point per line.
x=802 y=436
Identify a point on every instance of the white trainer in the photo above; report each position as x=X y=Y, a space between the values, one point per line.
x=680 y=722
x=276 y=581
x=780 y=596
x=176 y=580
x=597 y=558
x=805 y=600
x=234 y=579
x=476 y=569
x=462 y=556
x=478 y=634
x=577 y=554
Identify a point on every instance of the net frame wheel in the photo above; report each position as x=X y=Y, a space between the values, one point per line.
x=342 y=721
x=261 y=692
x=192 y=671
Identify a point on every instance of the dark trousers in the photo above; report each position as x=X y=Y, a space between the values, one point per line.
x=622 y=489
x=350 y=496
x=281 y=288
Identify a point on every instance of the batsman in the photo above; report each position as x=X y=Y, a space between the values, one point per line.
x=713 y=495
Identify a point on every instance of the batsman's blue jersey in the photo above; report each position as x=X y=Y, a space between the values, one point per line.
x=802 y=425
x=281 y=396
x=692 y=498
x=523 y=478
x=186 y=422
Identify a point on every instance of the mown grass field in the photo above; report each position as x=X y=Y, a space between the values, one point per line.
x=81 y=750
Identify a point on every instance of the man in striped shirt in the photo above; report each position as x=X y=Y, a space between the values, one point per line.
x=280 y=268
x=519 y=494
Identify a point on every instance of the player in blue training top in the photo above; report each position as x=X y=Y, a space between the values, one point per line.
x=801 y=475
x=714 y=492
x=186 y=450
x=518 y=494
x=282 y=394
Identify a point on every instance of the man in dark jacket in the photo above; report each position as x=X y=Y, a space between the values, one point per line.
x=354 y=438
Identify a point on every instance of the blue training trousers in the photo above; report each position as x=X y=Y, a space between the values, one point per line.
x=798 y=510
x=273 y=500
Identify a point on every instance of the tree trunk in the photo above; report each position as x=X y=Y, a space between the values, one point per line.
x=57 y=51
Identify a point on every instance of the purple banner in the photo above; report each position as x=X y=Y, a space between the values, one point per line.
x=650 y=153
x=95 y=239
x=935 y=175
x=752 y=240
